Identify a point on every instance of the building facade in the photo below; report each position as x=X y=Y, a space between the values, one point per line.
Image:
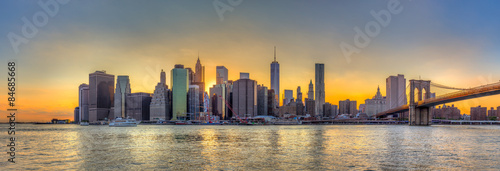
x=275 y=79
x=288 y=97
x=376 y=104
x=245 y=97
x=446 y=112
x=219 y=107
x=320 y=87
x=138 y=106
x=83 y=102
x=395 y=91
x=101 y=96
x=262 y=108
x=348 y=107
x=121 y=93
x=161 y=102
x=193 y=101
x=221 y=75
x=478 y=113
x=180 y=85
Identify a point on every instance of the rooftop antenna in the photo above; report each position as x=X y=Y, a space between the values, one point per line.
x=274 y=53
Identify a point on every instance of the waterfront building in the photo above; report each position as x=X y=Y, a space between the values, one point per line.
x=180 y=85
x=161 y=102
x=320 y=87
x=76 y=117
x=219 y=94
x=193 y=101
x=288 y=97
x=289 y=109
x=121 y=93
x=310 y=107
x=299 y=108
x=376 y=104
x=396 y=91
x=83 y=102
x=101 y=96
x=221 y=75
x=275 y=79
x=138 y=106
x=262 y=100
x=271 y=103
x=446 y=112
x=245 y=97
x=348 y=107
x=478 y=113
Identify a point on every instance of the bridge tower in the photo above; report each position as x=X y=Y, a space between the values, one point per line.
x=419 y=116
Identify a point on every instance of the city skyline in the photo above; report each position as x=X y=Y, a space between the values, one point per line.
x=460 y=52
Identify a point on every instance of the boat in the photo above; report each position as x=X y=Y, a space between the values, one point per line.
x=120 y=122
x=84 y=124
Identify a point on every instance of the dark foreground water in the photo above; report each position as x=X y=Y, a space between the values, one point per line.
x=159 y=147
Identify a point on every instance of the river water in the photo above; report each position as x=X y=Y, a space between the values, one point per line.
x=299 y=147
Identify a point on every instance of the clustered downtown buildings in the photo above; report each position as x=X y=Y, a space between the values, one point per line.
x=101 y=99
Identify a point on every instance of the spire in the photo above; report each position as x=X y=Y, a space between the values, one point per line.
x=274 y=53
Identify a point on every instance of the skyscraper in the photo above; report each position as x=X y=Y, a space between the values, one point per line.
x=138 y=106
x=396 y=91
x=121 y=93
x=262 y=100
x=180 y=85
x=76 y=117
x=310 y=93
x=348 y=107
x=275 y=78
x=101 y=86
x=320 y=87
x=376 y=104
x=299 y=95
x=245 y=97
x=161 y=102
x=83 y=102
x=193 y=101
x=199 y=75
x=288 y=97
x=218 y=93
x=221 y=75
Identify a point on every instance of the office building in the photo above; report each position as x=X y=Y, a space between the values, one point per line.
x=288 y=97
x=320 y=87
x=310 y=93
x=138 y=106
x=275 y=79
x=76 y=117
x=299 y=95
x=180 y=85
x=101 y=96
x=376 y=104
x=271 y=103
x=218 y=93
x=327 y=110
x=221 y=75
x=245 y=97
x=161 y=102
x=310 y=107
x=121 y=93
x=193 y=101
x=83 y=102
x=396 y=91
x=262 y=100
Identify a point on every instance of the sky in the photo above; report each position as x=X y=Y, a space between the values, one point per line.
x=454 y=43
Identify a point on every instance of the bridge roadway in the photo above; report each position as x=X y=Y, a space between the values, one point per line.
x=476 y=92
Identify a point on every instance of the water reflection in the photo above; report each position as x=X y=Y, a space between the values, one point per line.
x=333 y=147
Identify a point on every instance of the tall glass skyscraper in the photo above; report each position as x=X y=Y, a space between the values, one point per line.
x=121 y=93
x=275 y=78
x=101 y=96
x=180 y=85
